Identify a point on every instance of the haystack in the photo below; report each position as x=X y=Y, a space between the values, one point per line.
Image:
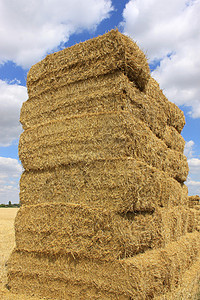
x=105 y=212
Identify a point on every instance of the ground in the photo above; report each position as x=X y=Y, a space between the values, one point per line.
x=7 y=243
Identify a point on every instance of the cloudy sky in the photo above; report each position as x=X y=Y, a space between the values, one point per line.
x=168 y=31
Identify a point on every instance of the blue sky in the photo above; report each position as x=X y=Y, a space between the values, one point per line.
x=167 y=31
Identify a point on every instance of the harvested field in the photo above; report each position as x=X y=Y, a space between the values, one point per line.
x=7 y=240
x=7 y=243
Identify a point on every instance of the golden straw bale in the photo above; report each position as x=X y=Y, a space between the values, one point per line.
x=90 y=137
x=105 y=213
x=92 y=95
x=118 y=185
x=104 y=93
x=155 y=115
x=196 y=217
x=112 y=92
x=87 y=232
x=173 y=139
x=188 y=289
x=148 y=275
x=101 y=55
x=54 y=288
x=194 y=204
x=195 y=198
x=194 y=201
x=175 y=116
x=74 y=229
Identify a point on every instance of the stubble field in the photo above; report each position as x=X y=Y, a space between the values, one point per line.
x=7 y=243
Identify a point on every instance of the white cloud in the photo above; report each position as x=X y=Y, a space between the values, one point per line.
x=194 y=165
x=193 y=181
x=169 y=32
x=10 y=171
x=29 y=29
x=11 y=98
x=188 y=151
x=193 y=187
x=9 y=167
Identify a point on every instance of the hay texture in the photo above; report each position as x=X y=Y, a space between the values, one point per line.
x=194 y=204
x=143 y=276
x=93 y=233
x=98 y=56
x=105 y=212
x=112 y=92
x=119 y=185
x=98 y=136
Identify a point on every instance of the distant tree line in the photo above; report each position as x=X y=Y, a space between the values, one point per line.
x=10 y=205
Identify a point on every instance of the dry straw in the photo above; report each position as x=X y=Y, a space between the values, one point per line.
x=175 y=117
x=144 y=276
x=194 y=204
x=112 y=92
x=104 y=54
x=105 y=213
x=188 y=289
x=95 y=233
x=194 y=201
x=119 y=185
x=89 y=137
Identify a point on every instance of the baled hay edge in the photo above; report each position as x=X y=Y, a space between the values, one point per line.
x=109 y=52
x=194 y=201
x=95 y=136
x=87 y=232
x=188 y=289
x=119 y=185
x=146 y=275
x=175 y=115
x=120 y=95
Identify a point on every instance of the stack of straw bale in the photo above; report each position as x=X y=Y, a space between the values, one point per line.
x=194 y=204
x=105 y=212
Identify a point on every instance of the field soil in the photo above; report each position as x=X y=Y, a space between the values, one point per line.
x=7 y=243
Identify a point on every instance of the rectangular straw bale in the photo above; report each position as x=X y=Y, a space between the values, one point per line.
x=175 y=116
x=54 y=288
x=196 y=212
x=194 y=201
x=173 y=139
x=118 y=185
x=151 y=274
x=104 y=54
x=189 y=285
x=106 y=93
x=87 y=232
x=163 y=226
x=86 y=96
x=98 y=136
x=112 y=92
x=152 y=111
